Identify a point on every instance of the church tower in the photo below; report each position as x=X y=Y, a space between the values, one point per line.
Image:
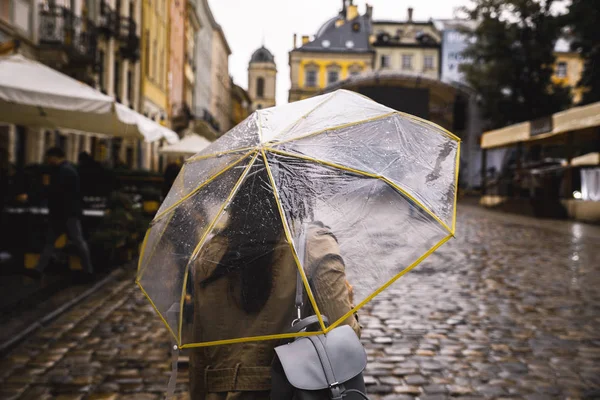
x=262 y=74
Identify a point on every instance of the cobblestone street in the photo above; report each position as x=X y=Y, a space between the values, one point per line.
x=508 y=309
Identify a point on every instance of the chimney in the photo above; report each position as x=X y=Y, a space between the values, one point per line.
x=369 y=11
x=410 y=13
x=305 y=39
x=295 y=36
x=351 y=12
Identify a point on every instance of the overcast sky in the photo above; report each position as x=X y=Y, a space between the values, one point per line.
x=247 y=22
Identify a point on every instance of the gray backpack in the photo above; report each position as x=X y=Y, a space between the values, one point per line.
x=319 y=367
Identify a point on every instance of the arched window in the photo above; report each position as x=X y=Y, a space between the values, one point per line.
x=260 y=87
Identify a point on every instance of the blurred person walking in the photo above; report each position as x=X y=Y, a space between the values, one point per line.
x=64 y=207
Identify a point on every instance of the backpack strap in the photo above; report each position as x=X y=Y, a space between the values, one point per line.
x=304 y=323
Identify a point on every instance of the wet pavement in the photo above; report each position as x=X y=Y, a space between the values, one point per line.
x=508 y=309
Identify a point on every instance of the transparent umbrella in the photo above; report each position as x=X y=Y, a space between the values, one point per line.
x=382 y=183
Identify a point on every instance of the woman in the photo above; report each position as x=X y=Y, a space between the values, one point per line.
x=245 y=285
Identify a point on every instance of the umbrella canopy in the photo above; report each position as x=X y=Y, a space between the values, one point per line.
x=188 y=146
x=383 y=183
x=33 y=94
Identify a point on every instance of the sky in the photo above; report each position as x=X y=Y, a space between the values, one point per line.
x=249 y=23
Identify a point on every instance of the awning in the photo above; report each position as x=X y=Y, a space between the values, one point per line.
x=505 y=136
x=188 y=146
x=591 y=159
x=577 y=119
x=33 y=94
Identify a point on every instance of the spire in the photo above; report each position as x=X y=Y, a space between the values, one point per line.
x=263 y=38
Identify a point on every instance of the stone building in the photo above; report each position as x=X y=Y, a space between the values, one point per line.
x=182 y=63
x=220 y=104
x=212 y=88
x=412 y=47
x=240 y=104
x=93 y=41
x=262 y=77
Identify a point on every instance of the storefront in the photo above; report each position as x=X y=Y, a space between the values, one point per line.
x=545 y=165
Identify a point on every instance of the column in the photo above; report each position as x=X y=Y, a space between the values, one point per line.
x=12 y=144
x=110 y=70
x=34 y=152
x=69 y=146
x=124 y=75
x=87 y=144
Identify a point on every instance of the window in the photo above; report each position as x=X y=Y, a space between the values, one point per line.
x=561 y=69
x=354 y=73
x=428 y=63
x=101 y=71
x=407 y=61
x=130 y=88
x=332 y=77
x=311 y=78
x=154 y=57
x=385 y=61
x=117 y=81
x=260 y=88
x=161 y=78
x=147 y=52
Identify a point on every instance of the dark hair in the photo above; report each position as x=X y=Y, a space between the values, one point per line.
x=55 y=152
x=255 y=230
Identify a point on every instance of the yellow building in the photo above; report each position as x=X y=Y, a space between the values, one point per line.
x=568 y=67
x=155 y=68
x=411 y=47
x=340 y=49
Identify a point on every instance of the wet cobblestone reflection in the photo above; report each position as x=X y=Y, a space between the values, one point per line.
x=509 y=309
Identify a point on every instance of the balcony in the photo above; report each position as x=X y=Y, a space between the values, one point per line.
x=66 y=38
x=181 y=116
x=108 y=21
x=128 y=38
x=206 y=125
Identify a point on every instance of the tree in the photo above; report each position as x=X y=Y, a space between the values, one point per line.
x=512 y=61
x=583 y=19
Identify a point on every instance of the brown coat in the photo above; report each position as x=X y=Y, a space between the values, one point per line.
x=242 y=371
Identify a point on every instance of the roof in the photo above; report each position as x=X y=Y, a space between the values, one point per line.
x=352 y=36
x=262 y=55
x=392 y=22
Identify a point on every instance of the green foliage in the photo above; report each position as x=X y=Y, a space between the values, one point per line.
x=123 y=227
x=583 y=19
x=512 y=60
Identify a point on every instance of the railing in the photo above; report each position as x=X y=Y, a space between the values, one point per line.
x=127 y=35
x=76 y=35
x=108 y=20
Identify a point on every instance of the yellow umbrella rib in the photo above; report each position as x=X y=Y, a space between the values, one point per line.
x=288 y=235
x=221 y=153
x=205 y=234
x=455 y=189
x=342 y=126
x=418 y=119
x=367 y=174
x=141 y=271
x=430 y=124
x=193 y=192
x=252 y=339
x=158 y=312
x=414 y=200
x=143 y=251
x=386 y=285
